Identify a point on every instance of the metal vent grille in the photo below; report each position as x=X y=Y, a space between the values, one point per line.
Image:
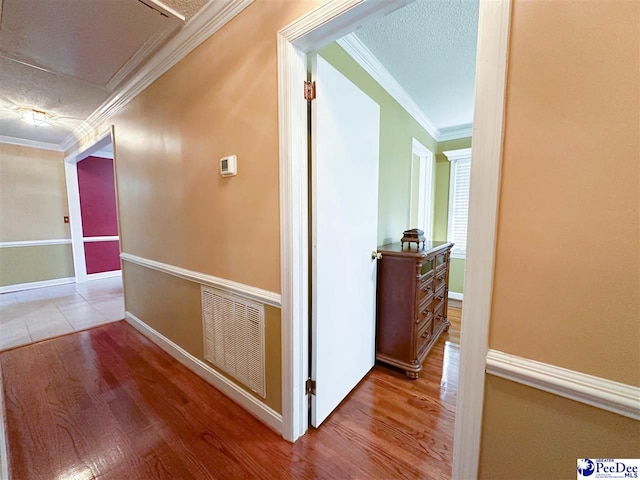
x=234 y=336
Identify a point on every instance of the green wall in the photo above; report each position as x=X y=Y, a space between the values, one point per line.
x=397 y=128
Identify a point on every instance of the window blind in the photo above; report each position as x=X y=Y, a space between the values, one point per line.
x=459 y=205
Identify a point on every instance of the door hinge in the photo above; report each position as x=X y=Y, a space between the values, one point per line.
x=309 y=91
x=310 y=387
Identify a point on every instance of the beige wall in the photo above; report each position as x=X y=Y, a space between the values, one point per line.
x=33 y=195
x=531 y=434
x=35 y=264
x=567 y=278
x=567 y=273
x=33 y=203
x=176 y=208
x=172 y=306
x=220 y=100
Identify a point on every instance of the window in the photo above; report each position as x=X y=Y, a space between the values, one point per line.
x=459 y=200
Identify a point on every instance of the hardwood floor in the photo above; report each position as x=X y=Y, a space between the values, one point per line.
x=107 y=403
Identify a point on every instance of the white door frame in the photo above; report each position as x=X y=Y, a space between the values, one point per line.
x=75 y=213
x=318 y=27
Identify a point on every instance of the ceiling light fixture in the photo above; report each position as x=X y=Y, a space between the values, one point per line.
x=35 y=118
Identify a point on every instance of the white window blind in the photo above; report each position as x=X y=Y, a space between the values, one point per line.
x=459 y=200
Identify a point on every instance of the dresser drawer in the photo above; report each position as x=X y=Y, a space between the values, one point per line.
x=427 y=267
x=440 y=279
x=438 y=315
x=424 y=314
x=441 y=261
x=439 y=299
x=423 y=338
x=425 y=288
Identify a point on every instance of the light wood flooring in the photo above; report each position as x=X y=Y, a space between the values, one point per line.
x=107 y=403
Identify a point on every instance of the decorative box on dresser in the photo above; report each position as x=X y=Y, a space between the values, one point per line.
x=412 y=302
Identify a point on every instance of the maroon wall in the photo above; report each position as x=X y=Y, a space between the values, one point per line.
x=97 y=197
x=102 y=256
x=99 y=216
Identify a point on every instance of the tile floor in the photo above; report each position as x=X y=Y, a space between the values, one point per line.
x=33 y=315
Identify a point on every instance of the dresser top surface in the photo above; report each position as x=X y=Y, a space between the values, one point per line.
x=412 y=250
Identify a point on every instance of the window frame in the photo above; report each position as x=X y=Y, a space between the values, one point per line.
x=456 y=157
x=424 y=207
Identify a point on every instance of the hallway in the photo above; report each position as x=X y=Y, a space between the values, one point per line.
x=107 y=403
x=33 y=315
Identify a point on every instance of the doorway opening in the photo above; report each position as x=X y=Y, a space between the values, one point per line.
x=312 y=31
x=91 y=192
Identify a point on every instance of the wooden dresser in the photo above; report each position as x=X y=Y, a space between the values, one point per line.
x=412 y=303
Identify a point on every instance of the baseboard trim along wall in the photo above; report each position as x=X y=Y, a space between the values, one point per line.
x=598 y=392
x=261 y=411
x=28 y=286
x=101 y=275
x=455 y=299
x=254 y=293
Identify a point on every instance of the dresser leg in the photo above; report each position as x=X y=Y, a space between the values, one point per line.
x=412 y=375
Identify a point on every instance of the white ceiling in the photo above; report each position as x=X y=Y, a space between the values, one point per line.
x=69 y=56
x=429 y=47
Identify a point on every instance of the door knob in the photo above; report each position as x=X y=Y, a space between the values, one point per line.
x=376 y=255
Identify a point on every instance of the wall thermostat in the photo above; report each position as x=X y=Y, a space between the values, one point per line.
x=228 y=166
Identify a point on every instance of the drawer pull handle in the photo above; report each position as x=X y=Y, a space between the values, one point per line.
x=427 y=288
x=425 y=335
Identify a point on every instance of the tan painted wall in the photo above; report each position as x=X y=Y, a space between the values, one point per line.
x=35 y=264
x=567 y=274
x=176 y=208
x=33 y=202
x=567 y=278
x=220 y=100
x=172 y=306
x=33 y=195
x=531 y=434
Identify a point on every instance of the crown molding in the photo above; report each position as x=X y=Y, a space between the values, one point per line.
x=213 y=16
x=368 y=61
x=454 y=133
x=23 y=142
x=457 y=154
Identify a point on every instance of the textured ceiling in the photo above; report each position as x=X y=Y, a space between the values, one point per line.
x=67 y=57
x=429 y=47
x=187 y=8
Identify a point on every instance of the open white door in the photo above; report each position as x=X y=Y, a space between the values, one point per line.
x=345 y=150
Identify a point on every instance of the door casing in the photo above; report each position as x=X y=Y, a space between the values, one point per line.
x=322 y=25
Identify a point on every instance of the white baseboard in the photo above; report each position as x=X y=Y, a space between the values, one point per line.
x=258 y=409
x=101 y=275
x=598 y=392
x=455 y=300
x=28 y=286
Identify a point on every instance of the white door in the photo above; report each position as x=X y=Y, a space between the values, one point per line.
x=345 y=148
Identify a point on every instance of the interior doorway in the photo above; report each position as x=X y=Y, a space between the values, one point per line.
x=312 y=31
x=91 y=192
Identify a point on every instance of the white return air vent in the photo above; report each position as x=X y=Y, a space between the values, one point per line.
x=234 y=336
